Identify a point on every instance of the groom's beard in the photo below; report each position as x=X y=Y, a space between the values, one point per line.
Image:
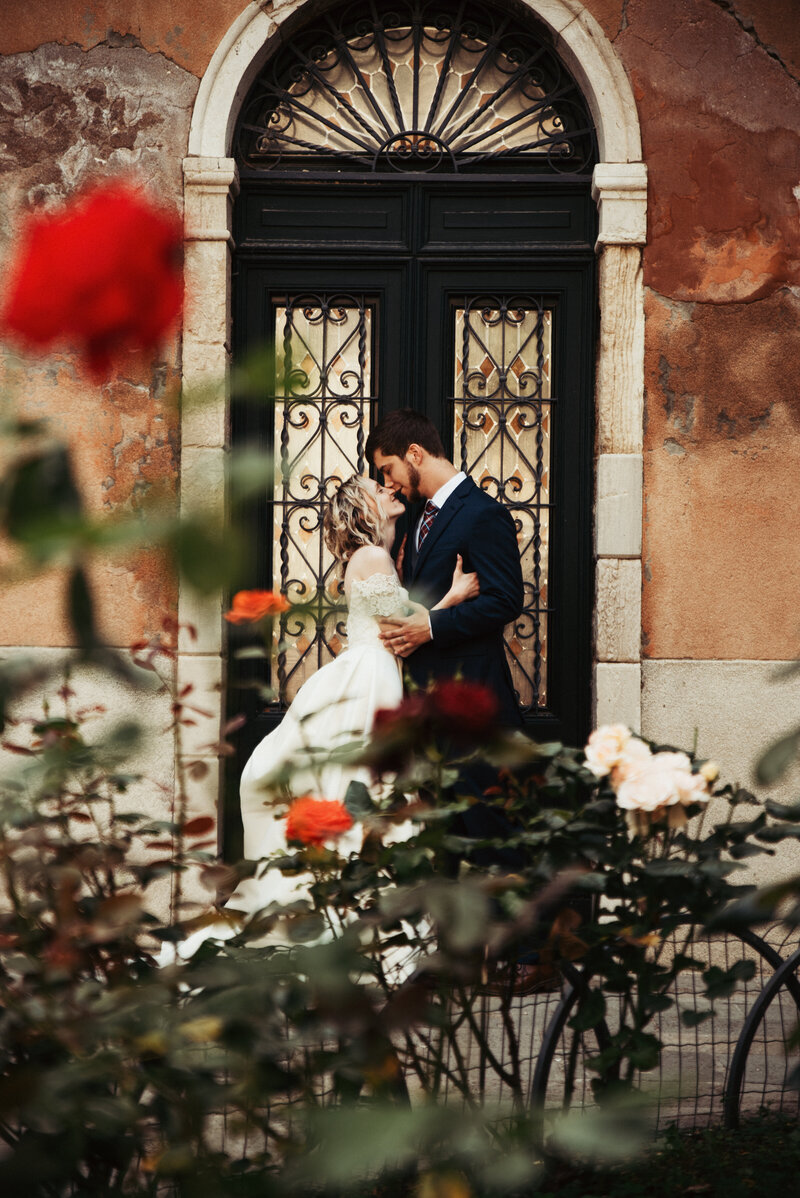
x=413 y=484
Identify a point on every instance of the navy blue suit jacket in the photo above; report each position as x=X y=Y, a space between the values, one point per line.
x=468 y=638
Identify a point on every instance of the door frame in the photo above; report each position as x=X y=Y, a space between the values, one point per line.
x=620 y=192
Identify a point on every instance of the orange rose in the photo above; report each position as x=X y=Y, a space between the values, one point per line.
x=251 y=606
x=313 y=821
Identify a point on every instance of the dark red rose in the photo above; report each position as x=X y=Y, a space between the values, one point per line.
x=396 y=734
x=102 y=274
x=412 y=710
x=463 y=711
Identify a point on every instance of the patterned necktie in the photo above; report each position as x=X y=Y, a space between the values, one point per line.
x=428 y=517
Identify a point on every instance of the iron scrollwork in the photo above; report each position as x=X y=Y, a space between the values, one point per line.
x=503 y=410
x=423 y=86
x=321 y=417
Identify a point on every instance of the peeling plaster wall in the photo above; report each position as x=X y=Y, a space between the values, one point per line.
x=66 y=116
x=717 y=84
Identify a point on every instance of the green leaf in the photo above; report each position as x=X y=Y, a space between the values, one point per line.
x=670 y=868
x=250 y=474
x=461 y=912
x=209 y=558
x=255 y=377
x=692 y=1017
x=613 y=1132
x=358 y=800
x=591 y=1011
x=41 y=498
x=80 y=609
x=784 y=811
x=720 y=983
x=595 y=883
x=643 y=1050
x=776 y=760
x=739 y=851
x=775 y=832
x=656 y=1002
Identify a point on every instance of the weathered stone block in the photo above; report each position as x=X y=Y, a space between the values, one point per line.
x=617 y=694
x=618 y=614
x=202 y=613
x=203 y=482
x=620 y=373
x=207 y=317
x=620 y=191
x=200 y=729
x=618 y=527
x=734 y=710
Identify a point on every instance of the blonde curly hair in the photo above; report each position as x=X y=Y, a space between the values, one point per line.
x=352 y=519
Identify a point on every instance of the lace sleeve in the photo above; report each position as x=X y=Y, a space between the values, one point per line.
x=378 y=595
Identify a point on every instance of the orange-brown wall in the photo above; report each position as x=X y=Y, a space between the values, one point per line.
x=717 y=83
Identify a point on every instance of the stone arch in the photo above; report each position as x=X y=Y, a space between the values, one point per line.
x=620 y=190
x=578 y=40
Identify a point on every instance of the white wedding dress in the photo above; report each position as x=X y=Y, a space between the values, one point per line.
x=334 y=708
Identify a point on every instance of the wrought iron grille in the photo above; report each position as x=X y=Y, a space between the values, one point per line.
x=502 y=436
x=418 y=87
x=326 y=372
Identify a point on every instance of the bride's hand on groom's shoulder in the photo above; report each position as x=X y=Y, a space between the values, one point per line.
x=464 y=585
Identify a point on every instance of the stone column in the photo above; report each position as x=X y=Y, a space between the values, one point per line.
x=210 y=185
x=620 y=190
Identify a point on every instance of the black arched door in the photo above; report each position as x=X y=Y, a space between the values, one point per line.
x=446 y=266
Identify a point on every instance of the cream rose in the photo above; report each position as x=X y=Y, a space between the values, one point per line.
x=658 y=785
x=636 y=754
x=651 y=782
x=605 y=748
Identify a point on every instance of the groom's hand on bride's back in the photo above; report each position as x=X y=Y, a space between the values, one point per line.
x=403 y=634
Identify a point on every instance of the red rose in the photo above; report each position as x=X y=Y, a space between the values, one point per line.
x=251 y=606
x=103 y=274
x=463 y=710
x=396 y=733
x=412 y=709
x=313 y=821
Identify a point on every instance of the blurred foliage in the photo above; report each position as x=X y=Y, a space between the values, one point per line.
x=318 y=1046
x=276 y=1061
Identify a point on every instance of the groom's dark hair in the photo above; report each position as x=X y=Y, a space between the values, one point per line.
x=399 y=429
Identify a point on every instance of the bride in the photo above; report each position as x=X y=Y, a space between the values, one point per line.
x=337 y=705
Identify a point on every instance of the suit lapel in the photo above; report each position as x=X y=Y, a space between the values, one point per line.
x=450 y=509
x=410 y=559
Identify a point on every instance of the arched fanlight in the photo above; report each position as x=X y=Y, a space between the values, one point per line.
x=417 y=87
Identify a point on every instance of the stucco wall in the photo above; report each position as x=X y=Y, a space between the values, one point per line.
x=107 y=86
x=67 y=115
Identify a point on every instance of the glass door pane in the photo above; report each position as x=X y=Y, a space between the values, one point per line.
x=326 y=366
x=502 y=351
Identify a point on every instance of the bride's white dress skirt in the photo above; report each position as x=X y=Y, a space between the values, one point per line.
x=333 y=709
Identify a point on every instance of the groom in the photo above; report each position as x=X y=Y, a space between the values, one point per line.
x=457 y=518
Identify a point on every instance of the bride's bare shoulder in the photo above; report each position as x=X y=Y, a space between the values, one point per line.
x=367 y=560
